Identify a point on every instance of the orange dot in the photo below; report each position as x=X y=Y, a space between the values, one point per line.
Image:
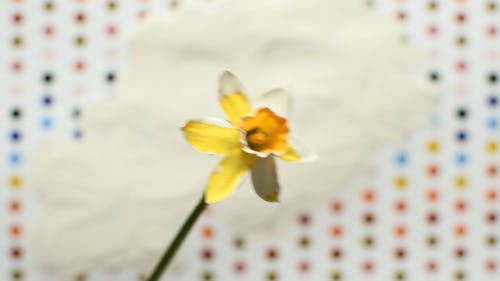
x=16 y=230
x=369 y=195
x=15 y=206
x=460 y=230
x=400 y=230
x=207 y=232
x=432 y=195
x=491 y=195
x=460 y=205
x=337 y=231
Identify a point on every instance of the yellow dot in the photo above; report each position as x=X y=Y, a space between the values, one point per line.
x=112 y=5
x=80 y=41
x=174 y=5
x=492 y=146
x=432 y=6
x=17 y=41
x=401 y=182
x=16 y=182
x=461 y=182
x=461 y=41
x=491 y=6
x=433 y=146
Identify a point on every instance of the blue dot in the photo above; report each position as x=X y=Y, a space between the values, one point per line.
x=47 y=100
x=15 y=158
x=462 y=159
x=462 y=136
x=15 y=136
x=47 y=123
x=402 y=159
x=493 y=100
x=77 y=134
x=493 y=123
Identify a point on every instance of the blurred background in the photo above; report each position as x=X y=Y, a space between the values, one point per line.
x=428 y=210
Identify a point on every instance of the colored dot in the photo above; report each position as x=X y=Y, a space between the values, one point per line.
x=80 y=41
x=433 y=170
x=80 y=18
x=337 y=231
x=47 y=100
x=402 y=159
x=460 y=205
x=17 y=18
x=462 y=158
x=368 y=241
x=491 y=217
x=272 y=254
x=400 y=230
x=491 y=240
x=272 y=276
x=49 y=6
x=239 y=242
x=399 y=275
x=461 y=182
x=493 y=123
x=77 y=134
x=207 y=276
x=400 y=206
x=336 y=253
x=461 y=41
x=432 y=218
x=304 y=266
x=337 y=206
x=207 y=232
x=16 y=182
x=493 y=100
x=433 y=146
x=15 y=206
x=460 y=230
x=47 y=123
x=16 y=136
x=401 y=182
x=459 y=275
x=432 y=5
x=304 y=242
x=432 y=195
x=460 y=253
x=491 y=6
x=432 y=241
x=239 y=267
x=336 y=276
x=400 y=253
x=207 y=254
x=16 y=230
x=17 y=274
x=304 y=219
x=112 y=6
x=17 y=41
x=369 y=218
x=15 y=158
x=491 y=195
x=16 y=252
x=462 y=136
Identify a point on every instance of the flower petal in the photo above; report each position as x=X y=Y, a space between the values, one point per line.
x=232 y=98
x=228 y=175
x=265 y=179
x=212 y=136
x=298 y=152
x=277 y=100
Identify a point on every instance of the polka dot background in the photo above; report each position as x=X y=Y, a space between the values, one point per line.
x=426 y=211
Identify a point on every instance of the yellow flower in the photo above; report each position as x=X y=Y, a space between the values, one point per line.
x=249 y=141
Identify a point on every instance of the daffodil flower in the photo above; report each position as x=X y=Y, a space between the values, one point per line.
x=249 y=141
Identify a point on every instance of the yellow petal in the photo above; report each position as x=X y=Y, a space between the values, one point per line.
x=298 y=152
x=212 y=136
x=228 y=175
x=232 y=98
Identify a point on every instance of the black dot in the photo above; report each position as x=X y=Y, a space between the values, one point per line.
x=462 y=113
x=16 y=113
x=76 y=113
x=493 y=78
x=434 y=76
x=48 y=78
x=110 y=77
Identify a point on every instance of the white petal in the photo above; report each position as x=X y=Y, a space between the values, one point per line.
x=300 y=149
x=229 y=84
x=265 y=179
x=277 y=100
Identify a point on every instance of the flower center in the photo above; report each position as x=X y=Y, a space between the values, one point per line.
x=266 y=132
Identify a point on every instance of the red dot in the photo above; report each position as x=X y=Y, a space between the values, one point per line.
x=272 y=254
x=17 y=66
x=461 y=66
x=433 y=30
x=401 y=16
x=400 y=206
x=112 y=30
x=431 y=266
x=433 y=170
x=49 y=31
x=17 y=18
x=80 y=18
x=368 y=266
x=492 y=31
x=15 y=206
x=336 y=253
x=207 y=254
x=337 y=207
x=492 y=170
x=461 y=205
x=304 y=219
x=461 y=18
x=304 y=266
x=80 y=66
x=239 y=267
x=400 y=253
x=16 y=252
x=491 y=265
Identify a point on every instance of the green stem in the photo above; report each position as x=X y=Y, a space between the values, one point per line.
x=177 y=242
